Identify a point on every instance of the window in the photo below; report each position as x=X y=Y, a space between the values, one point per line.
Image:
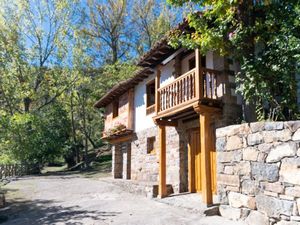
x=150 y=100
x=192 y=63
x=203 y=61
x=151 y=145
x=115 y=108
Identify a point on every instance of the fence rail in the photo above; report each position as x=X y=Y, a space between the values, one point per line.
x=17 y=170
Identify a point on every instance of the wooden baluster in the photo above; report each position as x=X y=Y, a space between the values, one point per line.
x=204 y=84
x=180 y=92
x=216 y=86
x=172 y=95
x=163 y=99
x=192 y=85
x=211 y=86
x=168 y=97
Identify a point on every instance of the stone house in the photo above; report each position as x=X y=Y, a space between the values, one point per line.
x=162 y=121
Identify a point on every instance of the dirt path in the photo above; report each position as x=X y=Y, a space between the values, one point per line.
x=74 y=199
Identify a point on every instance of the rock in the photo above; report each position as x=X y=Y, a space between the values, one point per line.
x=234 y=142
x=227 y=131
x=264 y=147
x=290 y=171
x=280 y=151
x=249 y=187
x=238 y=200
x=293 y=191
x=257 y=218
x=2 y=200
x=228 y=169
x=283 y=135
x=232 y=156
x=250 y=154
x=296 y=136
x=273 y=125
x=220 y=144
x=292 y=125
x=255 y=139
x=273 y=136
x=273 y=207
x=232 y=180
x=282 y=222
x=265 y=172
x=298 y=204
x=295 y=218
x=256 y=127
x=273 y=187
x=242 y=168
x=230 y=213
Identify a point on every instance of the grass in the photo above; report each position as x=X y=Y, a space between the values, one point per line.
x=99 y=168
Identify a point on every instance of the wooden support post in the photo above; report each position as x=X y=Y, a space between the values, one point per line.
x=162 y=187
x=157 y=85
x=199 y=92
x=205 y=158
x=130 y=124
x=191 y=169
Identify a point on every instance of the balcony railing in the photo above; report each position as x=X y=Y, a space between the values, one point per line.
x=189 y=88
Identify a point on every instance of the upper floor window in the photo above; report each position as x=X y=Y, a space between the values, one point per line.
x=150 y=100
x=115 y=109
x=192 y=63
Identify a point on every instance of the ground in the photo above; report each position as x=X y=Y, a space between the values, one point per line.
x=80 y=199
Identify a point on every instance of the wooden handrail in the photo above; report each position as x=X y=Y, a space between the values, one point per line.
x=185 y=89
x=178 y=78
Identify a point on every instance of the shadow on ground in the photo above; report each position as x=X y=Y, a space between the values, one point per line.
x=49 y=212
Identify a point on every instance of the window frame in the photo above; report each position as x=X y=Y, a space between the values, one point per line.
x=151 y=141
x=150 y=108
x=115 y=108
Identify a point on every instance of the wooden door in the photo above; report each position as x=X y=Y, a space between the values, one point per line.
x=195 y=161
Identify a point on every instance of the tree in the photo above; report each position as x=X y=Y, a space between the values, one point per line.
x=35 y=38
x=153 y=20
x=37 y=138
x=108 y=27
x=264 y=37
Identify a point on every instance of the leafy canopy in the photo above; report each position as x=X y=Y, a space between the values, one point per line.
x=263 y=36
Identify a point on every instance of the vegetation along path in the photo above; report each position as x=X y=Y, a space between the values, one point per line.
x=78 y=199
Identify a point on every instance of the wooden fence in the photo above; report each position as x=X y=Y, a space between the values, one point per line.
x=17 y=170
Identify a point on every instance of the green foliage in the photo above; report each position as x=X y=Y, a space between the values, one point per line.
x=264 y=37
x=37 y=138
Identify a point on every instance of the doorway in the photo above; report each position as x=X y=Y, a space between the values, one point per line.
x=194 y=160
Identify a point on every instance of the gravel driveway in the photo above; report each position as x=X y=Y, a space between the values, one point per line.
x=74 y=199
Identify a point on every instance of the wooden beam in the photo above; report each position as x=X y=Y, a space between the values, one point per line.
x=162 y=187
x=128 y=137
x=166 y=123
x=157 y=85
x=191 y=167
x=204 y=119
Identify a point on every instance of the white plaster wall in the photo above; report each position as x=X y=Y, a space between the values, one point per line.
x=166 y=76
x=185 y=63
x=210 y=60
x=141 y=120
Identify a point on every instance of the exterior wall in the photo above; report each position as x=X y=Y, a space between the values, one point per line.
x=145 y=166
x=142 y=121
x=122 y=118
x=258 y=166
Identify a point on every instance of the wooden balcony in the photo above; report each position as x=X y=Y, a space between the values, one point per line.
x=205 y=87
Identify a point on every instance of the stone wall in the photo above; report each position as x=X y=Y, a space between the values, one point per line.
x=145 y=166
x=258 y=172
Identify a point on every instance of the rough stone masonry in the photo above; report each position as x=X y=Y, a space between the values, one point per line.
x=258 y=172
